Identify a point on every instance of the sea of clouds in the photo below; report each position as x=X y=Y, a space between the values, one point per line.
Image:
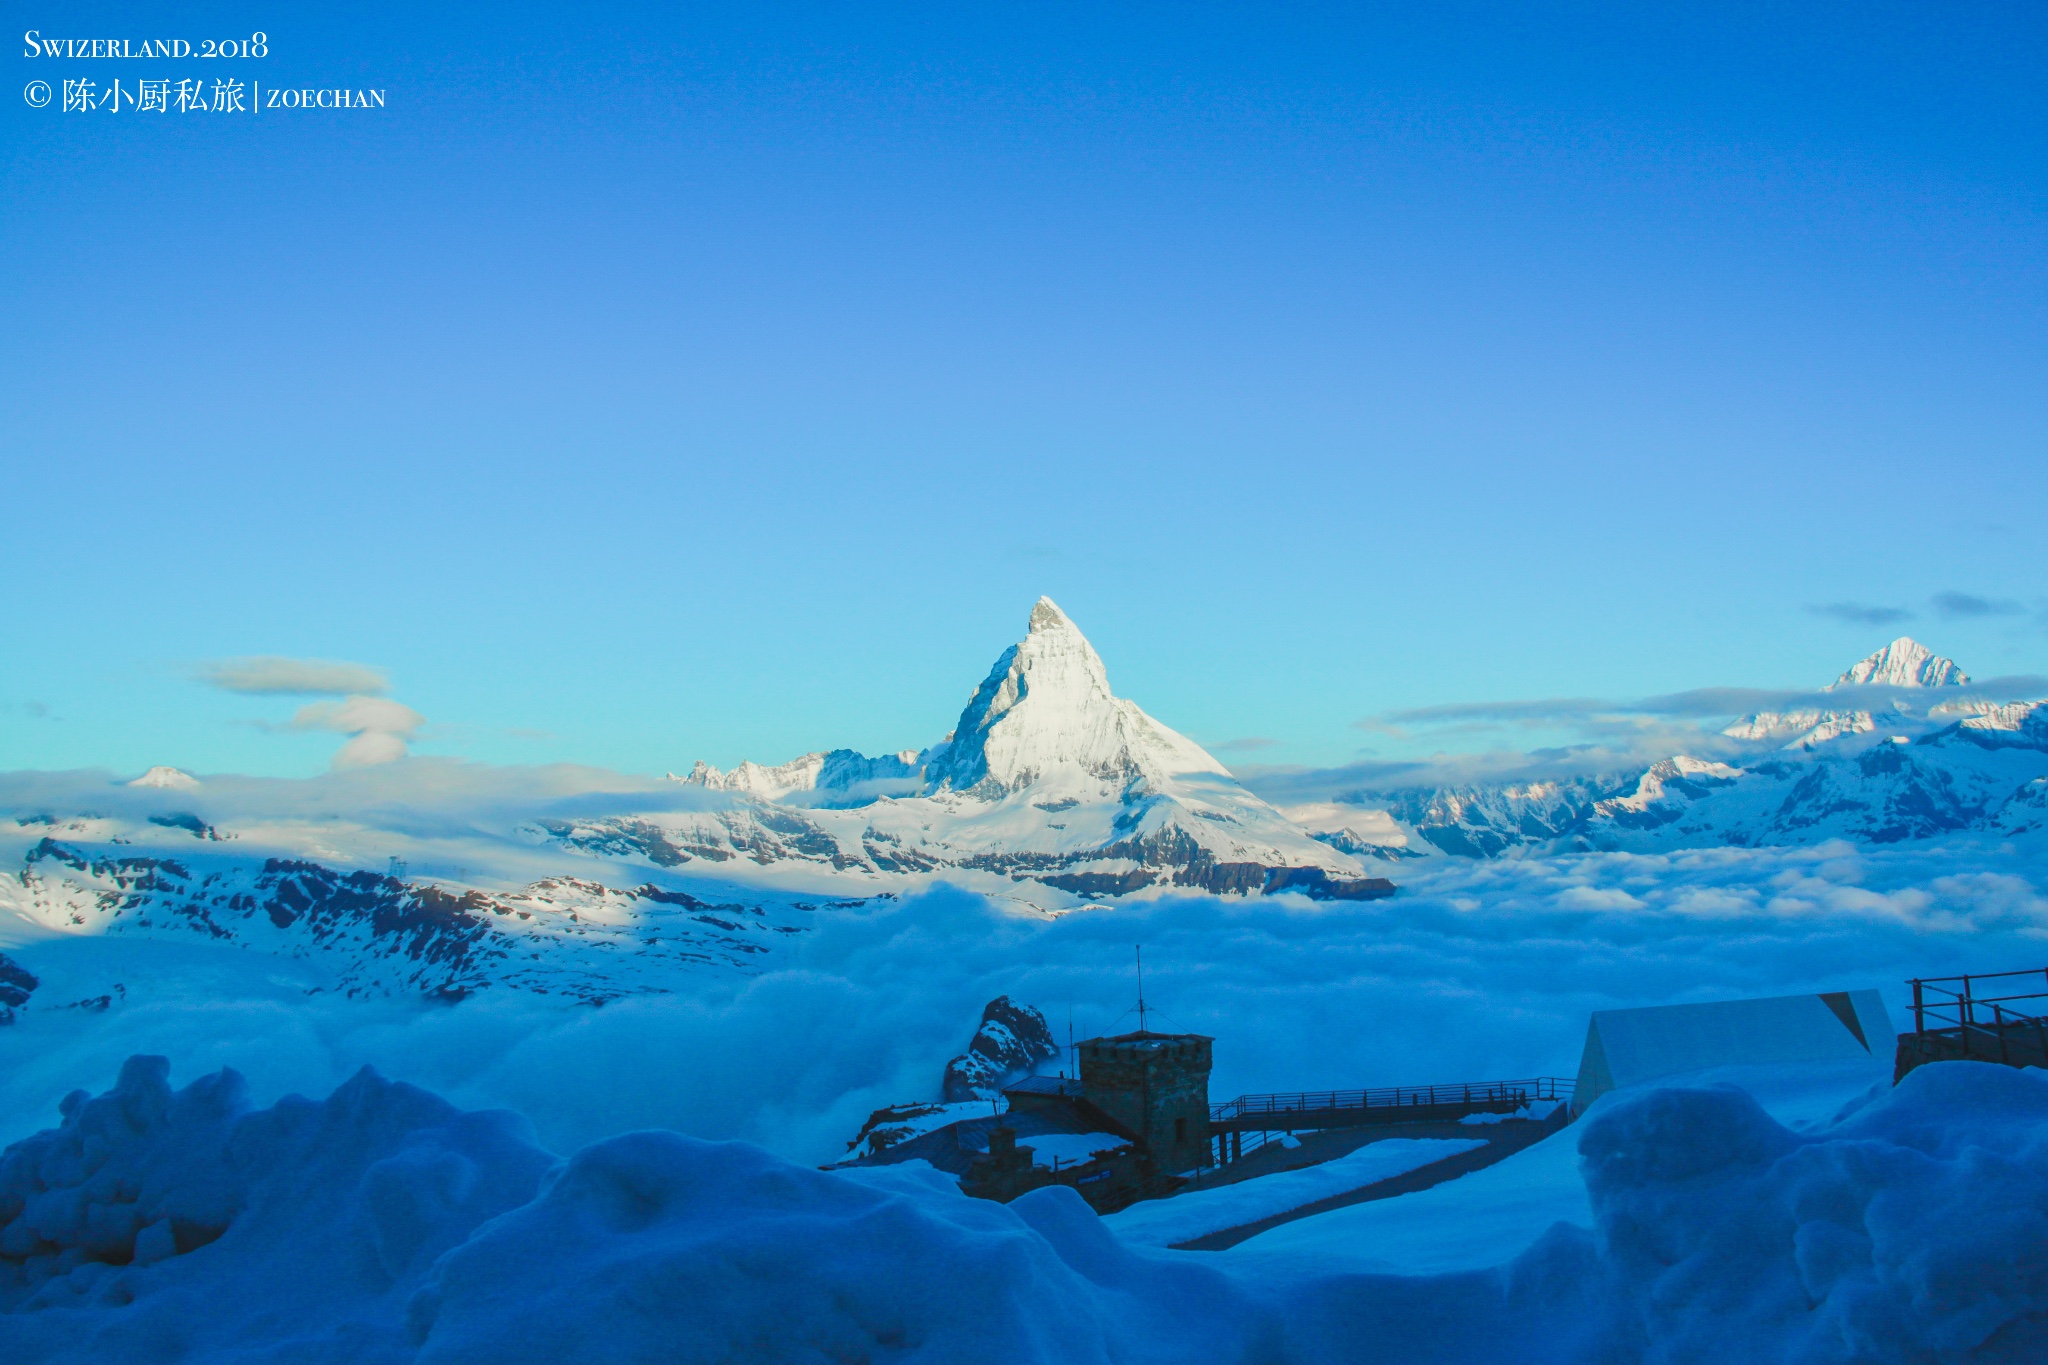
x=1476 y=970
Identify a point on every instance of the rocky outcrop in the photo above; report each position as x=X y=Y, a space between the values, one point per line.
x=1011 y=1040
x=17 y=984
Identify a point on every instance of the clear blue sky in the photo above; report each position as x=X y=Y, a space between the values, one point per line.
x=648 y=383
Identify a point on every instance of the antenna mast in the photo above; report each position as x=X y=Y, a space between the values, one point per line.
x=1141 y=987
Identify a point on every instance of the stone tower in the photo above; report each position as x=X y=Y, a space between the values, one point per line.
x=1157 y=1086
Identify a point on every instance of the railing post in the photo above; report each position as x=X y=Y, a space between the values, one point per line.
x=1919 y=1018
x=1998 y=1022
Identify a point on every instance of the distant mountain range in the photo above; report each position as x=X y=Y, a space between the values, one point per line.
x=1049 y=794
x=1926 y=760
x=1050 y=791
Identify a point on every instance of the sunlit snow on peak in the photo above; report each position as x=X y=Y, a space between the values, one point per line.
x=1905 y=662
x=165 y=776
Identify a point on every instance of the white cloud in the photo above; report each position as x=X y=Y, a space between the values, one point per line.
x=273 y=675
x=379 y=728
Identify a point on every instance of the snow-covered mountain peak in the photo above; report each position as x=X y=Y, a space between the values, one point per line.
x=1905 y=662
x=1046 y=615
x=755 y=779
x=163 y=775
x=1048 y=779
x=1045 y=712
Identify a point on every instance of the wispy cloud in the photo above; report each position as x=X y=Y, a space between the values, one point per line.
x=273 y=675
x=1538 y=712
x=1962 y=605
x=1948 y=606
x=1861 y=614
x=1248 y=744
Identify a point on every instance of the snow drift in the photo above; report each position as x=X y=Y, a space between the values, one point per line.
x=383 y=1225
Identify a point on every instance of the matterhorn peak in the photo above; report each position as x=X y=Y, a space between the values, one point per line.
x=1046 y=708
x=1046 y=615
x=1905 y=662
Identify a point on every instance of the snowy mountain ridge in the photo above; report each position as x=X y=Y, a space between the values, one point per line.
x=1048 y=778
x=1905 y=662
x=1912 y=770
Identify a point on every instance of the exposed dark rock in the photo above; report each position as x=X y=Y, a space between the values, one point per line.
x=1012 y=1039
x=888 y=1126
x=188 y=822
x=1317 y=884
x=17 y=984
x=1100 y=883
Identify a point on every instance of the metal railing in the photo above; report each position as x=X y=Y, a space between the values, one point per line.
x=1298 y=1104
x=1953 y=1002
x=1973 y=1014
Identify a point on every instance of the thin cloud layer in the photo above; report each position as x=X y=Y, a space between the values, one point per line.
x=274 y=675
x=1948 y=606
x=1964 y=605
x=1861 y=614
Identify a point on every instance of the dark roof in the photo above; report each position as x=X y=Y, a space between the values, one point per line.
x=1148 y=1040
x=954 y=1147
x=1045 y=1085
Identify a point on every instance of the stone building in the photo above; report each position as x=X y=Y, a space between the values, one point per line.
x=1156 y=1087
x=1135 y=1121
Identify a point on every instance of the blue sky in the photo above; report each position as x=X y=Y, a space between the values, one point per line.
x=645 y=384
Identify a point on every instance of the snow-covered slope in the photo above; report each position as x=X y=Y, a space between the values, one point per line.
x=1904 y=766
x=376 y=934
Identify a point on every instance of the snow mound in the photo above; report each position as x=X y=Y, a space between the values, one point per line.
x=654 y=1246
x=382 y=1225
x=153 y=1217
x=1915 y=1230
